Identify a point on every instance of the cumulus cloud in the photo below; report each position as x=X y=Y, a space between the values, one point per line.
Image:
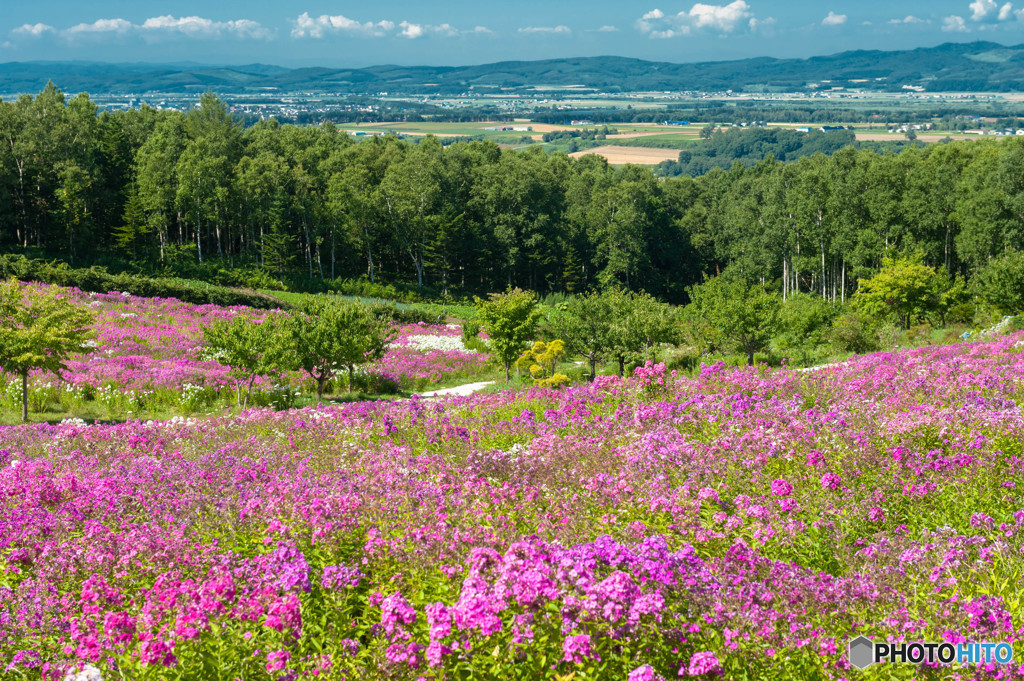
x=834 y=19
x=34 y=30
x=985 y=15
x=954 y=24
x=909 y=19
x=721 y=18
x=410 y=30
x=154 y=27
x=200 y=27
x=102 y=26
x=318 y=27
x=982 y=9
x=990 y=12
x=306 y=26
x=552 y=30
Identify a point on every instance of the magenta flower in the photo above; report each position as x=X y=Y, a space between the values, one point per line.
x=831 y=481
x=644 y=673
x=277 y=660
x=703 y=663
x=781 y=488
x=576 y=649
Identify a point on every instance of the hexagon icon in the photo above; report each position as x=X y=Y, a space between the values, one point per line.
x=862 y=652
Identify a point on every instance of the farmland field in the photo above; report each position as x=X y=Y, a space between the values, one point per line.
x=743 y=523
x=618 y=155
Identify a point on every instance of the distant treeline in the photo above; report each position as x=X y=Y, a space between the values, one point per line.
x=196 y=194
x=750 y=145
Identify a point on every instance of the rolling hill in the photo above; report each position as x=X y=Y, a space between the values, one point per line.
x=960 y=67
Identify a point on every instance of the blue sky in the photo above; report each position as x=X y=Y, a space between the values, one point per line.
x=337 y=34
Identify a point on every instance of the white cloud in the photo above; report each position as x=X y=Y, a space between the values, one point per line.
x=200 y=27
x=721 y=18
x=954 y=24
x=419 y=30
x=306 y=26
x=318 y=27
x=981 y=9
x=552 y=30
x=834 y=19
x=102 y=26
x=758 y=24
x=34 y=30
x=607 y=29
x=154 y=27
x=909 y=19
x=988 y=11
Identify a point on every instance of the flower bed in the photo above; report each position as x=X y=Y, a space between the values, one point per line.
x=745 y=523
x=149 y=353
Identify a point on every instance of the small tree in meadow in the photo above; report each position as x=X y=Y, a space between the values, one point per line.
x=639 y=323
x=510 y=319
x=586 y=326
x=805 y=321
x=251 y=348
x=905 y=288
x=329 y=335
x=39 y=330
x=745 y=315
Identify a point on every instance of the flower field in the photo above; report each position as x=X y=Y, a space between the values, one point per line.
x=149 y=355
x=744 y=523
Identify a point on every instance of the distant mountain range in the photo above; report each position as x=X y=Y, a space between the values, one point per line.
x=950 y=67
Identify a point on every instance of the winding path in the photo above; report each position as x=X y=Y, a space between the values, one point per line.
x=467 y=389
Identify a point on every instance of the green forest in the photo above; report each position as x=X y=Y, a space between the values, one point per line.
x=198 y=195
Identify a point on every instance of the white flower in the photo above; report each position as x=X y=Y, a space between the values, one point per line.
x=426 y=343
x=15 y=463
x=88 y=673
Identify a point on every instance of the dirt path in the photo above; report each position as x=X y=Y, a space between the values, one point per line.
x=461 y=390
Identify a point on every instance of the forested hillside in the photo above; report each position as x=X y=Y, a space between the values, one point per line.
x=193 y=194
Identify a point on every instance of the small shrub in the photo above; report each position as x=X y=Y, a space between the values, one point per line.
x=889 y=336
x=852 y=332
x=470 y=330
x=919 y=334
x=553 y=381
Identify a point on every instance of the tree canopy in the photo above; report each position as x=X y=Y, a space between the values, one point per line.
x=39 y=330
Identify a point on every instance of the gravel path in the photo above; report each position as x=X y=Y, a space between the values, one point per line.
x=467 y=389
